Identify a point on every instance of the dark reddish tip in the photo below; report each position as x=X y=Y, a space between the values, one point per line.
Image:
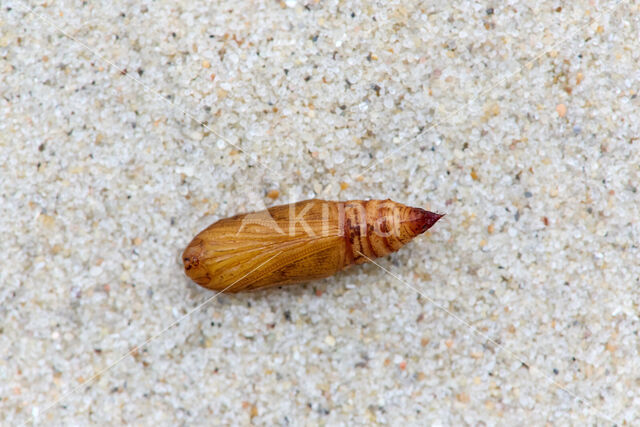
x=423 y=219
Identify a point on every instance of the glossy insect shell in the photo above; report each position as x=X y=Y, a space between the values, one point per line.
x=298 y=242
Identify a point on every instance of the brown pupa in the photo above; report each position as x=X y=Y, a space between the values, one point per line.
x=298 y=242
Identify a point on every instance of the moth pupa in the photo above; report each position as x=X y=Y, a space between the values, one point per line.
x=299 y=242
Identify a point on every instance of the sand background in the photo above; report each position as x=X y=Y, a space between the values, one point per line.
x=126 y=127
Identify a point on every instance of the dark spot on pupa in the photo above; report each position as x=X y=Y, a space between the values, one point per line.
x=384 y=226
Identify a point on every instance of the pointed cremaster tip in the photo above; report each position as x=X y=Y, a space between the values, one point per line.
x=423 y=219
